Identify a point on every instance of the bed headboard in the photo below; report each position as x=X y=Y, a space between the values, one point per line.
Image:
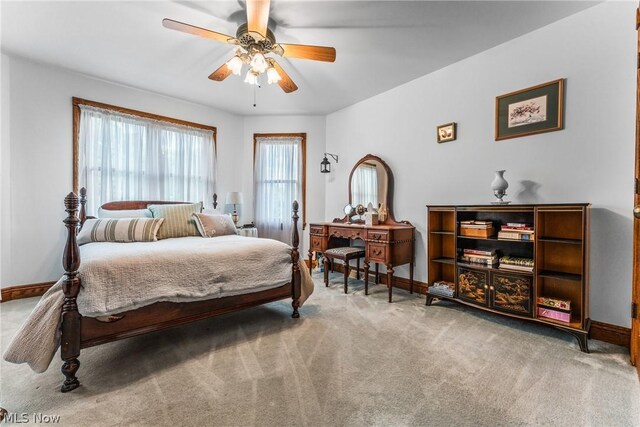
x=126 y=205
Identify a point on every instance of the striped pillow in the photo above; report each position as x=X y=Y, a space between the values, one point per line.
x=122 y=230
x=177 y=219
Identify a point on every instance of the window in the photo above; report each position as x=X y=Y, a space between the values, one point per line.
x=279 y=171
x=129 y=155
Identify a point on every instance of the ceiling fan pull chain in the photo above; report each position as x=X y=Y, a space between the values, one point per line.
x=254 y=96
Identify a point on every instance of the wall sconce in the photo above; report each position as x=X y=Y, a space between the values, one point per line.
x=325 y=165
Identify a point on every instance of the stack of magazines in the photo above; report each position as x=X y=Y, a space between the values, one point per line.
x=443 y=288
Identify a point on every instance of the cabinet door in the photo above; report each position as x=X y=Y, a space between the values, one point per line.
x=512 y=293
x=473 y=285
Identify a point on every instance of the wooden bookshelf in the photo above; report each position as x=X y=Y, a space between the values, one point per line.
x=559 y=249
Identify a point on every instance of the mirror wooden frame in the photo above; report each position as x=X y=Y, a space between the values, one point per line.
x=390 y=219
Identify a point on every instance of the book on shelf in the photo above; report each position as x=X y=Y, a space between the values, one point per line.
x=555 y=303
x=517 y=224
x=515 y=268
x=521 y=229
x=481 y=261
x=479 y=252
x=515 y=235
x=510 y=260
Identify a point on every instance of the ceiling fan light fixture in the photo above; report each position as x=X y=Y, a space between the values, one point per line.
x=259 y=62
x=235 y=65
x=252 y=77
x=272 y=75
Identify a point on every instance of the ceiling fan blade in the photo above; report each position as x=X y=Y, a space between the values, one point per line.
x=258 y=16
x=221 y=73
x=303 y=51
x=285 y=82
x=197 y=31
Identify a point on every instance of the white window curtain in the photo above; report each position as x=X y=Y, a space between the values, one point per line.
x=365 y=186
x=125 y=157
x=278 y=182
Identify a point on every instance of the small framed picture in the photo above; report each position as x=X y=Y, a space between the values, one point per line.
x=446 y=132
x=536 y=109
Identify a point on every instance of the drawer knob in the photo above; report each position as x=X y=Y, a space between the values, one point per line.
x=486 y=287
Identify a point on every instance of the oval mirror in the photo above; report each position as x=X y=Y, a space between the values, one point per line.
x=370 y=182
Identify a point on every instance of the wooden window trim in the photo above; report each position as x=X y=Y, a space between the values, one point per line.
x=77 y=102
x=303 y=136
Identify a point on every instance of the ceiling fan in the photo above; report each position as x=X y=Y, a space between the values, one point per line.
x=255 y=40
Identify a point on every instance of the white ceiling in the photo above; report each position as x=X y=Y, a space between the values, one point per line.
x=380 y=44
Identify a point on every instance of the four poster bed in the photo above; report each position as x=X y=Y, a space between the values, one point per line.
x=78 y=331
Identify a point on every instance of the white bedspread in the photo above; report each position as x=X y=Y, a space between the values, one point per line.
x=118 y=277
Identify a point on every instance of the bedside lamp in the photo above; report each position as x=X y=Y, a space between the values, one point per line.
x=234 y=198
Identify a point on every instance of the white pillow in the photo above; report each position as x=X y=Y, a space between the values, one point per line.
x=214 y=225
x=131 y=213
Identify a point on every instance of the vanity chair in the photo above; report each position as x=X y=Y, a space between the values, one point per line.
x=345 y=254
x=390 y=242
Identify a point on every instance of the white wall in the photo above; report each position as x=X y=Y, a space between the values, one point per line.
x=5 y=164
x=40 y=147
x=591 y=160
x=314 y=126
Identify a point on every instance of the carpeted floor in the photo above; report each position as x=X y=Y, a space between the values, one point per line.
x=349 y=360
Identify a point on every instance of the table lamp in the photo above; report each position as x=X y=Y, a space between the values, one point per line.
x=234 y=198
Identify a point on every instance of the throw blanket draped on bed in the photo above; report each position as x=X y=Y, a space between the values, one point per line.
x=118 y=277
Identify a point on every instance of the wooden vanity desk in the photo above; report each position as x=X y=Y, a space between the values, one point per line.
x=390 y=243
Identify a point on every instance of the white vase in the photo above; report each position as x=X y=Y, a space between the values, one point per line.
x=499 y=186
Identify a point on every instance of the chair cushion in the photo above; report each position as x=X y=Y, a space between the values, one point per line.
x=350 y=251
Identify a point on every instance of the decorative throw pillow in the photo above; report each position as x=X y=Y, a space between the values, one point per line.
x=214 y=225
x=132 y=213
x=177 y=219
x=122 y=230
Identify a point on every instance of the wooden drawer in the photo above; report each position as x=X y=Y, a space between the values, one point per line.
x=317 y=230
x=377 y=252
x=378 y=235
x=347 y=233
x=316 y=243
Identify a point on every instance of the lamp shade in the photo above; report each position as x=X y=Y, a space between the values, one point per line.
x=234 y=198
x=252 y=77
x=235 y=65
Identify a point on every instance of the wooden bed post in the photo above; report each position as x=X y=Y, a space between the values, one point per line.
x=296 y=279
x=70 y=340
x=83 y=206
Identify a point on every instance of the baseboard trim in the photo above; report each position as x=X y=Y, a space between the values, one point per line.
x=25 y=291
x=606 y=332
x=612 y=334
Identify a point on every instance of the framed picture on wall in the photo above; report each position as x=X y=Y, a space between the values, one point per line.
x=536 y=109
x=446 y=132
